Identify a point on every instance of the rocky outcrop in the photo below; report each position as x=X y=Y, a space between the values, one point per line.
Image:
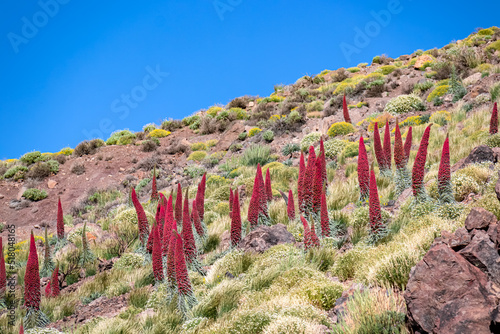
x=264 y=237
x=480 y=153
x=455 y=288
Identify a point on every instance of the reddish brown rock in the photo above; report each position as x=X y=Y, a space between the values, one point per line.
x=456 y=240
x=483 y=254
x=479 y=218
x=446 y=294
x=264 y=237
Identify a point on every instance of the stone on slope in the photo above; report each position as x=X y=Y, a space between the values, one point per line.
x=446 y=294
x=482 y=253
x=480 y=153
x=264 y=237
x=479 y=218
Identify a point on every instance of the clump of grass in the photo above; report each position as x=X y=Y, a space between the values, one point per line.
x=256 y=154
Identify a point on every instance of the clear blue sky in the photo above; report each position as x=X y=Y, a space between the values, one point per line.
x=68 y=72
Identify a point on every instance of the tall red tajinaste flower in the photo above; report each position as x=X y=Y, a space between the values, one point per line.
x=363 y=170
x=60 y=221
x=387 y=146
x=236 y=220
x=325 y=220
x=161 y=223
x=307 y=234
x=314 y=236
x=377 y=145
x=181 y=273
x=347 y=118
x=255 y=201
x=308 y=177
x=48 y=292
x=419 y=164
x=269 y=191
x=157 y=255
x=300 y=184
x=21 y=329
x=374 y=202
x=322 y=157
x=230 y=200
x=196 y=220
x=399 y=154
x=444 y=173
x=263 y=194
x=290 y=207
x=494 y=120
x=317 y=186
x=172 y=244
x=32 y=293
x=54 y=282
x=407 y=146
x=149 y=244
x=200 y=196
x=178 y=203
x=187 y=232
x=167 y=227
x=141 y=218
x=3 y=272
x=154 y=191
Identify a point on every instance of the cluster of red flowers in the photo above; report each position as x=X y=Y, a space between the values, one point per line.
x=141 y=217
x=52 y=289
x=154 y=192
x=187 y=232
x=310 y=238
x=374 y=203
x=315 y=172
x=494 y=120
x=157 y=255
x=32 y=294
x=60 y=221
x=444 y=173
x=290 y=208
x=363 y=170
x=347 y=118
x=235 y=220
x=258 y=201
x=419 y=164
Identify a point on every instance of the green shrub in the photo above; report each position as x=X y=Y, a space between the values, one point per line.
x=222 y=299
x=315 y=106
x=353 y=69
x=235 y=147
x=197 y=156
x=495 y=46
x=334 y=147
x=403 y=104
x=213 y=111
x=495 y=92
x=242 y=136
x=325 y=294
x=441 y=117
x=222 y=116
x=198 y=146
x=121 y=137
x=32 y=157
x=423 y=86
x=12 y=171
x=239 y=113
x=268 y=135
x=290 y=148
x=386 y=69
x=190 y=120
x=256 y=154
x=309 y=140
x=294 y=117
x=376 y=60
x=493 y=140
x=148 y=128
x=351 y=150
x=340 y=129
x=194 y=171
x=139 y=297
x=253 y=131
x=35 y=194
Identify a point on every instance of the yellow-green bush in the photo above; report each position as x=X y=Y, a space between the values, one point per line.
x=213 y=111
x=198 y=146
x=358 y=105
x=438 y=92
x=66 y=151
x=254 y=131
x=340 y=128
x=495 y=46
x=386 y=69
x=197 y=155
x=159 y=133
x=441 y=117
x=353 y=69
x=309 y=140
x=121 y=137
x=212 y=142
x=403 y=104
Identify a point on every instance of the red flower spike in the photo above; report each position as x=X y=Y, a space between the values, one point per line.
x=157 y=256
x=387 y=146
x=407 y=146
x=171 y=254
x=363 y=170
x=230 y=201
x=322 y=157
x=399 y=154
x=154 y=191
x=377 y=145
x=187 y=232
x=201 y=200
x=269 y=191
x=347 y=118
x=167 y=227
x=60 y=221
x=317 y=186
x=21 y=329
x=196 y=220
x=32 y=292
x=307 y=233
x=236 y=220
x=181 y=273
x=48 y=292
x=325 y=220
x=444 y=173
x=178 y=203
x=300 y=184
x=308 y=176
x=290 y=208
x=161 y=223
x=262 y=192
x=54 y=282
x=314 y=237
x=3 y=272
x=254 y=207
x=141 y=218
x=149 y=245
x=374 y=202
x=419 y=164
x=494 y=120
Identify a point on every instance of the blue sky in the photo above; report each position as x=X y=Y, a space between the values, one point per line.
x=77 y=69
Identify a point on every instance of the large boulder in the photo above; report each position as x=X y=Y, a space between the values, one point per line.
x=480 y=153
x=447 y=294
x=264 y=237
x=483 y=254
x=479 y=218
